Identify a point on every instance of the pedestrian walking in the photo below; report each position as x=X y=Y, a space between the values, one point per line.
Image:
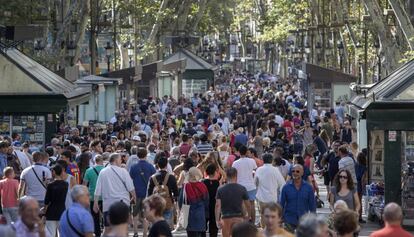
x=297 y=198
x=212 y=185
x=9 y=187
x=195 y=194
x=118 y=215
x=55 y=200
x=140 y=174
x=393 y=216
x=77 y=220
x=232 y=203
x=34 y=179
x=89 y=180
x=269 y=181
x=245 y=176
x=114 y=184
x=154 y=206
x=164 y=184
x=272 y=217
x=344 y=189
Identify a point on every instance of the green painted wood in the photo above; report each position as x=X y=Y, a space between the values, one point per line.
x=390 y=119
x=32 y=103
x=392 y=169
x=198 y=74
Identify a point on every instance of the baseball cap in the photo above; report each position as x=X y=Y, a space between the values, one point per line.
x=136 y=138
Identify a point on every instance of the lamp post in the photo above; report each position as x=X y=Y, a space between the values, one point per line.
x=377 y=46
x=130 y=53
x=71 y=49
x=108 y=52
x=38 y=45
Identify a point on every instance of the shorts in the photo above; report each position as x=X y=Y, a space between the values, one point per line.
x=137 y=208
x=252 y=194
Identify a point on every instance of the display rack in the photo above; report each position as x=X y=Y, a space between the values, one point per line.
x=407 y=178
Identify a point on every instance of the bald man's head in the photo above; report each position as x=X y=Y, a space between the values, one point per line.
x=393 y=213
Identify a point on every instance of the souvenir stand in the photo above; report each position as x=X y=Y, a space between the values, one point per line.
x=31 y=97
x=384 y=115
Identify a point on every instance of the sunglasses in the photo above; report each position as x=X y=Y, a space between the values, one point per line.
x=295 y=171
x=343 y=177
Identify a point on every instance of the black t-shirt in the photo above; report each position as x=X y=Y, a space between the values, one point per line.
x=212 y=186
x=160 y=228
x=232 y=196
x=55 y=199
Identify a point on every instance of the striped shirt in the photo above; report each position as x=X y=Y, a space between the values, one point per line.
x=204 y=148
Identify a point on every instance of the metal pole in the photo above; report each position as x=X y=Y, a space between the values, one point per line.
x=108 y=61
x=365 y=73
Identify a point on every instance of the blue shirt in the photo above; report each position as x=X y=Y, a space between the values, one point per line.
x=140 y=174
x=241 y=138
x=3 y=163
x=296 y=203
x=80 y=218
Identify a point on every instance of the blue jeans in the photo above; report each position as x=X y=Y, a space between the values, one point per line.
x=11 y=214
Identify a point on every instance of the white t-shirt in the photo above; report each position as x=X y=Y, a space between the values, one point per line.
x=113 y=187
x=279 y=120
x=245 y=167
x=23 y=159
x=34 y=187
x=269 y=180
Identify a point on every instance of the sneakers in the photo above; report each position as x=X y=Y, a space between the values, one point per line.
x=136 y=235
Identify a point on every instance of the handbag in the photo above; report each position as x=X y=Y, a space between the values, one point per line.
x=319 y=202
x=184 y=211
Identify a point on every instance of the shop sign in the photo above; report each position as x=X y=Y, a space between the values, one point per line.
x=392 y=136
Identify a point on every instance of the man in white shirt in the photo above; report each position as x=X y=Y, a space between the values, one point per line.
x=245 y=167
x=269 y=182
x=114 y=184
x=34 y=179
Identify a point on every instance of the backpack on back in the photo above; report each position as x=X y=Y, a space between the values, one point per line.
x=163 y=190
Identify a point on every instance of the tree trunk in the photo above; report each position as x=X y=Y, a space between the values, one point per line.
x=201 y=9
x=403 y=21
x=80 y=34
x=157 y=24
x=182 y=16
x=388 y=46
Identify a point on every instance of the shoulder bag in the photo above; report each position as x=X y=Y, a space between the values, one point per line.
x=184 y=211
x=34 y=171
x=71 y=226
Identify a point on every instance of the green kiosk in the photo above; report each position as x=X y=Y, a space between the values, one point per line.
x=31 y=97
x=384 y=117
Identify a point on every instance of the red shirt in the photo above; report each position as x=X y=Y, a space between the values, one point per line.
x=391 y=231
x=8 y=192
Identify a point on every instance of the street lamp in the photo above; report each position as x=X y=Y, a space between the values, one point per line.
x=38 y=45
x=377 y=46
x=108 y=53
x=71 y=49
x=130 y=50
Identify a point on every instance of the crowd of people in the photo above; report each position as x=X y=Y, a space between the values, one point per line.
x=201 y=164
